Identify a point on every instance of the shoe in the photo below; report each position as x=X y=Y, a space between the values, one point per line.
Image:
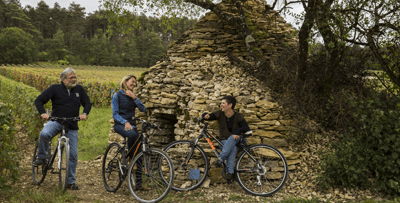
x=73 y=186
x=40 y=162
x=229 y=176
x=144 y=188
x=218 y=163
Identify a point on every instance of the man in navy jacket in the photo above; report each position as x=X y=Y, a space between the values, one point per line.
x=66 y=99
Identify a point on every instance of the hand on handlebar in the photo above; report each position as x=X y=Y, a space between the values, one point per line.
x=83 y=117
x=45 y=116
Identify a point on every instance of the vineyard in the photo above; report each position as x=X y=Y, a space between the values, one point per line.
x=98 y=81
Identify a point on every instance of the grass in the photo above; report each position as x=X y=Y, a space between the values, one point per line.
x=94 y=133
x=55 y=196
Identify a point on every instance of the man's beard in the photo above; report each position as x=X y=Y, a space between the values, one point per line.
x=70 y=85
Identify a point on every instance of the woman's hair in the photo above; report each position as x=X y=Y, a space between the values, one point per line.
x=65 y=73
x=124 y=80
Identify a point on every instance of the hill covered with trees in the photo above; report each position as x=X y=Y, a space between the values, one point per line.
x=72 y=36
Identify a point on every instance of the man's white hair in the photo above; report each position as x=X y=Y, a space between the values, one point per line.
x=65 y=73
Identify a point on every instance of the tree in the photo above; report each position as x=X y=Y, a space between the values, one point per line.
x=56 y=48
x=376 y=24
x=17 y=46
x=74 y=22
x=119 y=13
x=15 y=17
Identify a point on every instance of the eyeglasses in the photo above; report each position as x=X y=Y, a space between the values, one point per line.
x=70 y=78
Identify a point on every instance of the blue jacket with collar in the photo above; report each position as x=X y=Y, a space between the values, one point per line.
x=64 y=103
x=124 y=108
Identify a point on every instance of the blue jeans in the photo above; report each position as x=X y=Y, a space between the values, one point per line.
x=132 y=136
x=229 y=151
x=48 y=132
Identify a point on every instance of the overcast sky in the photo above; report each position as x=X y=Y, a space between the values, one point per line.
x=93 y=5
x=89 y=5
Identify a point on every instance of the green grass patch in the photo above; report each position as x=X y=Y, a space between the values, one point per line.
x=235 y=198
x=94 y=133
x=54 y=196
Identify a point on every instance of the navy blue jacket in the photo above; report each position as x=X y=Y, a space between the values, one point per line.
x=64 y=103
x=124 y=108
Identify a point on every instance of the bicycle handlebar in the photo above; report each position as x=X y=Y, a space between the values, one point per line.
x=151 y=125
x=200 y=120
x=64 y=118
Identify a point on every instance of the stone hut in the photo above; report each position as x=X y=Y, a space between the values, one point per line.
x=196 y=73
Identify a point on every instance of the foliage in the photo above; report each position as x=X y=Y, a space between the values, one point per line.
x=56 y=49
x=367 y=155
x=9 y=155
x=21 y=98
x=66 y=34
x=16 y=46
x=97 y=81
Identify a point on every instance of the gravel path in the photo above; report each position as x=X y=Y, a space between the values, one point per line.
x=301 y=183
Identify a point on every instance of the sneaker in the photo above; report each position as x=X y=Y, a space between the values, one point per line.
x=218 y=163
x=229 y=176
x=40 y=162
x=73 y=186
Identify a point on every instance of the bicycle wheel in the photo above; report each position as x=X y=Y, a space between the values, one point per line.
x=112 y=166
x=38 y=172
x=63 y=165
x=188 y=176
x=147 y=181
x=265 y=179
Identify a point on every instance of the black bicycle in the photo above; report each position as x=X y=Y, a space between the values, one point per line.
x=260 y=169
x=59 y=156
x=150 y=172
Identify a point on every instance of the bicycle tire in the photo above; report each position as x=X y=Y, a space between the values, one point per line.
x=159 y=168
x=273 y=173
x=64 y=166
x=39 y=172
x=178 y=152
x=112 y=163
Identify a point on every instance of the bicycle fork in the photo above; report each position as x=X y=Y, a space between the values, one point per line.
x=62 y=141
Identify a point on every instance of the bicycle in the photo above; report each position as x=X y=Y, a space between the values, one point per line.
x=260 y=169
x=153 y=166
x=61 y=152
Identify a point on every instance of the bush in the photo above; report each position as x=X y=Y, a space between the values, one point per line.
x=17 y=46
x=21 y=98
x=367 y=156
x=9 y=156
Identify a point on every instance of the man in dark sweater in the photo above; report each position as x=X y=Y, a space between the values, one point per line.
x=66 y=99
x=231 y=124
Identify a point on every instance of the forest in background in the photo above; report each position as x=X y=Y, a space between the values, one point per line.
x=72 y=36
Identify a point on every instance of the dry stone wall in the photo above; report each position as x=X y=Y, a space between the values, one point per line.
x=196 y=73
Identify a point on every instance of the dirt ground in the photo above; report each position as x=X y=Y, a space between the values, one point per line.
x=299 y=185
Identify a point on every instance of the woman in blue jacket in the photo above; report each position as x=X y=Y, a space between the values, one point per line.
x=124 y=104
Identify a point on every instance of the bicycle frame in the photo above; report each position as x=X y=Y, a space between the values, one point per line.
x=142 y=139
x=206 y=134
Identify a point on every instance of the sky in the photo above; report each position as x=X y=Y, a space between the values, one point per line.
x=89 y=5
x=93 y=5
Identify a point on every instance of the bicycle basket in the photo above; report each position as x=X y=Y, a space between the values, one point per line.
x=194 y=174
